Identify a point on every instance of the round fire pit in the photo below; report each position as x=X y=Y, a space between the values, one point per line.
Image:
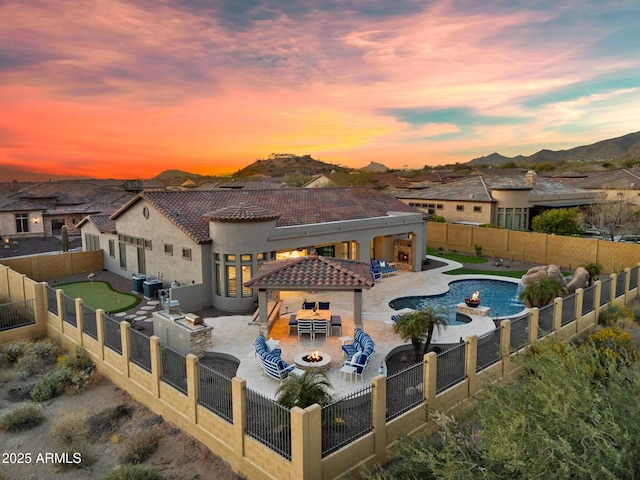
x=315 y=359
x=471 y=302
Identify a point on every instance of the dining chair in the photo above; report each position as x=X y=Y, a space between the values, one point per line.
x=320 y=327
x=308 y=305
x=306 y=327
x=323 y=305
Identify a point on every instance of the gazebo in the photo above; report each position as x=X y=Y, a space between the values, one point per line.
x=312 y=272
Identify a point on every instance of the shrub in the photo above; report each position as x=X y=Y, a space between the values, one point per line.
x=14 y=351
x=52 y=385
x=107 y=421
x=140 y=446
x=615 y=313
x=478 y=250
x=133 y=472
x=77 y=359
x=36 y=355
x=24 y=418
x=69 y=428
x=614 y=343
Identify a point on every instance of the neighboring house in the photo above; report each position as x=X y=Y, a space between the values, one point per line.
x=615 y=185
x=510 y=202
x=218 y=239
x=57 y=204
x=21 y=219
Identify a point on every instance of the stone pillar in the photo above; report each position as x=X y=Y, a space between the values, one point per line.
x=126 y=347
x=263 y=314
x=379 y=413
x=505 y=347
x=557 y=315
x=471 y=363
x=59 y=299
x=300 y=454
x=430 y=378
x=79 y=321
x=533 y=325
x=597 y=293
x=239 y=406
x=579 y=304
x=192 y=388
x=156 y=365
x=41 y=308
x=100 y=332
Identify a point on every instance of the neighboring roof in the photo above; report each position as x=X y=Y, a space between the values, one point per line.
x=625 y=179
x=21 y=206
x=313 y=272
x=102 y=222
x=296 y=206
x=478 y=189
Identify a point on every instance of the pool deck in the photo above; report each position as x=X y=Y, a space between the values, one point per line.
x=234 y=335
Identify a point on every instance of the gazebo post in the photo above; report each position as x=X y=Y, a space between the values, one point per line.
x=357 y=308
x=263 y=318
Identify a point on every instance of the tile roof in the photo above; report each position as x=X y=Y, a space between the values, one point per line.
x=478 y=189
x=625 y=179
x=102 y=222
x=296 y=206
x=20 y=205
x=243 y=212
x=313 y=272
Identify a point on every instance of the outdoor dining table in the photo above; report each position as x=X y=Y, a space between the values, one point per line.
x=319 y=315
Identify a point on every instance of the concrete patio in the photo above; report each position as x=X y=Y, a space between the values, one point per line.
x=234 y=335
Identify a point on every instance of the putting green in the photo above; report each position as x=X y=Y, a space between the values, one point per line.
x=99 y=294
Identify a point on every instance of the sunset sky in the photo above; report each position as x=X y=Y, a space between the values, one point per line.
x=127 y=89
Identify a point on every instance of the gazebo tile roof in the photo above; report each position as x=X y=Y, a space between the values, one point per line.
x=312 y=272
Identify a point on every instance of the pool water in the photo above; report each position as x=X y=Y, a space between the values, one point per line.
x=499 y=295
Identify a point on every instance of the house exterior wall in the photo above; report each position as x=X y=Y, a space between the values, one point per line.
x=8 y=225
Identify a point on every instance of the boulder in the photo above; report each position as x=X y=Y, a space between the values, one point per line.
x=580 y=280
x=535 y=274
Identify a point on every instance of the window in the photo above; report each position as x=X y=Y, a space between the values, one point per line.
x=92 y=242
x=147 y=244
x=168 y=249
x=459 y=208
x=439 y=206
x=232 y=281
x=186 y=253
x=246 y=276
x=22 y=222
x=477 y=209
x=122 y=247
x=112 y=248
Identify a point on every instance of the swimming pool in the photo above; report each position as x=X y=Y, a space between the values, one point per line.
x=499 y=295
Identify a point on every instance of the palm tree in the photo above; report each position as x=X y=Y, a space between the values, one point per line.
x=418 y=327
x=540 y=293
x=594 y=269
x=305 y=390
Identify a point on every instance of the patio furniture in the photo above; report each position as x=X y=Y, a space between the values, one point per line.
x=293 y=323
x=361 y=342
x=270 y=360
x=305 y=327
x=308 y=305
x=320 y=327
x=336 y=322
x=390 y=323
x=360 y=361
x=380 y=268
x=317 y=316
x=347 y=369
x=323 y=305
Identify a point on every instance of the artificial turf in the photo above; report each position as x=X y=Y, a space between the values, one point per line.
x=99 y=294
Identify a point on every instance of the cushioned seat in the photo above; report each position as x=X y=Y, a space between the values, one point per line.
x=293 y=323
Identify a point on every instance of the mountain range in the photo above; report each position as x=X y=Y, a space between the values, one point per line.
x=614 y=149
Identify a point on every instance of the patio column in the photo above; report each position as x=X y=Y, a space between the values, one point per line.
x=263 y=317
x=357 y=308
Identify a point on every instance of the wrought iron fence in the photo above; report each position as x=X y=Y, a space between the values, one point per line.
x=519 y=332
x=269 y=423
x=140 y=349
x=621 y=284
x=52 y=300
x=633 y=277
x=215 y=392
x=545 y=320
x=346 y=419
x=69 y=310
x=89 y=324
x=112 y=335
x=588 y=300
x=405 y=390
x=451 y=367
x=17 y=314
x=605 y=292
x=174 y=368
x=488 y=349
x=568 y=309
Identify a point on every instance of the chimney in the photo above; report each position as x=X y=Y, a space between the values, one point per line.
x=530 y=177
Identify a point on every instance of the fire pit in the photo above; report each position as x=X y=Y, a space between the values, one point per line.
x=474 y=300
x=316 y=359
